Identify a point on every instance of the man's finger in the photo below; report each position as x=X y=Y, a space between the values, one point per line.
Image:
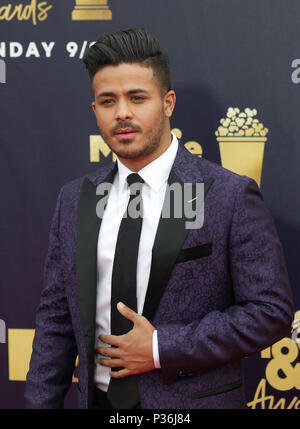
x=120 y=374
x=108 y=351
x=112 y=363
x=127 y=312
x=113 y=340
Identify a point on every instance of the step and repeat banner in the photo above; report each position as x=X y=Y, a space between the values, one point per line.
x=236 y=73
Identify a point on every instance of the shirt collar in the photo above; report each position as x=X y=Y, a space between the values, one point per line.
x=156 y=173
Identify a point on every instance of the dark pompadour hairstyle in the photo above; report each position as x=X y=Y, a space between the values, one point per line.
x=134 y=45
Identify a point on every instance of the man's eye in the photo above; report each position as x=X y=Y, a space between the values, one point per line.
x=137 y=98
x=107 y=101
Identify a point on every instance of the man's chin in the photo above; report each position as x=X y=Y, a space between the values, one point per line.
x=129 y=154
x=127 y=149
x=130 y=149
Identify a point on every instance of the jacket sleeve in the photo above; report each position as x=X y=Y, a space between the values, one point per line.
x=54 y=348
x=262 y=312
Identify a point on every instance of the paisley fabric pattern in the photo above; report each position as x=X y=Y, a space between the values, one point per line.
x=215 y=310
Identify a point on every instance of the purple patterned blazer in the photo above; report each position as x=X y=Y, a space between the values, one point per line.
x=215 y=295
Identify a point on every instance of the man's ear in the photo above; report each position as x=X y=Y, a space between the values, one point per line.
x=93 y=106
x=169 y=103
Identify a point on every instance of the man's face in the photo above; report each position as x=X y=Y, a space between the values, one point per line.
x=130 y=111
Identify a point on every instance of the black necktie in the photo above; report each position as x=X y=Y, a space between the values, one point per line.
x=123 y=392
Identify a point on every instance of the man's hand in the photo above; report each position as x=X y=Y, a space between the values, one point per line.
x=133 y=351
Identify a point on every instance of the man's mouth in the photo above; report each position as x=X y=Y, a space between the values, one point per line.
x=125 y=133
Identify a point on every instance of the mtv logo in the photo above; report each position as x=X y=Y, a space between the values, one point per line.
x=2 y=71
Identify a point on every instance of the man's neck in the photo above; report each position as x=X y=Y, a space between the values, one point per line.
x=136 y=164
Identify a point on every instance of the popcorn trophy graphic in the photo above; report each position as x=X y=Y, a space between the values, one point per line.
x=242 y=140
x=88 y=10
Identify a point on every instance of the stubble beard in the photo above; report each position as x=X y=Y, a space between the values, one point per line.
x=152 y=142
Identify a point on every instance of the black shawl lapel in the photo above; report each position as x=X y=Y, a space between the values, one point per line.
x=171 y=232
x=88 y=224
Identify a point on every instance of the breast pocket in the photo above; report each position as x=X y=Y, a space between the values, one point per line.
x=194 y=252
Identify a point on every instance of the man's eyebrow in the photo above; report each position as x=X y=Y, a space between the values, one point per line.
x=106 y=94
x=138 y=90
x=131 y=91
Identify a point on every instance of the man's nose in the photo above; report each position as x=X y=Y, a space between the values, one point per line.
x=123 y=111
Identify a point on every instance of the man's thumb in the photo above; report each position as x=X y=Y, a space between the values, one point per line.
x=126 y=311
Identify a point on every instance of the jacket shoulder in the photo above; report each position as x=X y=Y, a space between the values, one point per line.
x=227 y=186
x=74 y=186
x=221 y=174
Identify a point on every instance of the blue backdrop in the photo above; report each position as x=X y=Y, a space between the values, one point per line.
x=224 y=54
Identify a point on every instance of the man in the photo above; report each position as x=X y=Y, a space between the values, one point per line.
x=161 y=315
